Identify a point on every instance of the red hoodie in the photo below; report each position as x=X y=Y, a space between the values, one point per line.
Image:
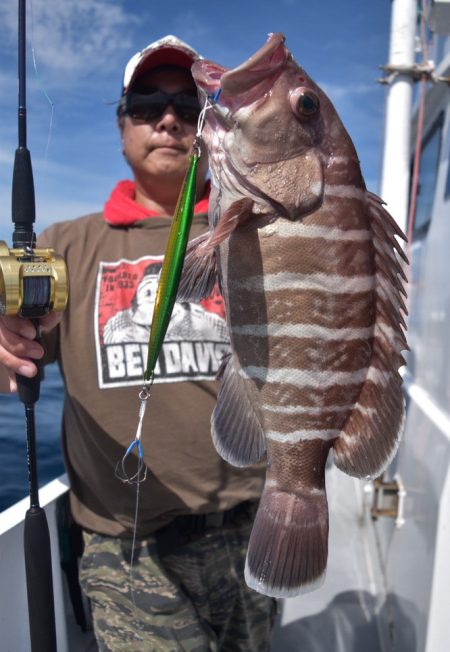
x=121 y=209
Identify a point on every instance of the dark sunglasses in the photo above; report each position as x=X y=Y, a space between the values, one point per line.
x=151 y=106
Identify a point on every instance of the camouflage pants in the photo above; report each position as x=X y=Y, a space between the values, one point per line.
x=191 y=600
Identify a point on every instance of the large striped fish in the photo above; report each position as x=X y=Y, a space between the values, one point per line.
x=308 y=265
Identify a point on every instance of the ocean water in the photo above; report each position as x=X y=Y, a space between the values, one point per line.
x=13 y=448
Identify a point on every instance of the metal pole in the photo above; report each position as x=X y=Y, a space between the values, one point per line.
x=394 y=188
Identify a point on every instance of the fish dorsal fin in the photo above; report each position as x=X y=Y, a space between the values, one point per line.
x=236 y=425
x=370 y=437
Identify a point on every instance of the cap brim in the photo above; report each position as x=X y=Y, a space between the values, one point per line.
x=163 y=56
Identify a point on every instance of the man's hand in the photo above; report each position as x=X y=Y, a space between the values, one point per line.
x=18 y=348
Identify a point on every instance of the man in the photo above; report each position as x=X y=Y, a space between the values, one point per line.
x=185 y=589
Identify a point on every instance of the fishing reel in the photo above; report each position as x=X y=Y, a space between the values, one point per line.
x=33 y=282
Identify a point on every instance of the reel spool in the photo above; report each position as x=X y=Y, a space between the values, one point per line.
x=33 y=282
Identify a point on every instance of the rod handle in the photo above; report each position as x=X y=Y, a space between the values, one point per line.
x=23 y=200
x=38 y=568
x=28 y=389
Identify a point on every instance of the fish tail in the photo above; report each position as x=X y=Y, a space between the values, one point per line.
x=288 y=547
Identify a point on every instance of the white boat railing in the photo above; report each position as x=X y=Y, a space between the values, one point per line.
x=14 y=627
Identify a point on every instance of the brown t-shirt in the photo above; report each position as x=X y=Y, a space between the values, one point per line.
x=101 y=346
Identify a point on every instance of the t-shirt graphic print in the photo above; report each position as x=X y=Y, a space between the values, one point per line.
x=196 y=338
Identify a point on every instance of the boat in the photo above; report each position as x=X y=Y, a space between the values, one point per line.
x=389 y=549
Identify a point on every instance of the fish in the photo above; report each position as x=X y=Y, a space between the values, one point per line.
x=311 y=270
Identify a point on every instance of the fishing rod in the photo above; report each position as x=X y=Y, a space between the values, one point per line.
x=33 y=282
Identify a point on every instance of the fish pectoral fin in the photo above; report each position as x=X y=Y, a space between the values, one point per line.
x=288 y=546
x=236 y=426
x=200 y=265
x=236 y=214
x=199 y=273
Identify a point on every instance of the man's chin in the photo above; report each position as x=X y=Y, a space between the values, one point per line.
x=170 y=171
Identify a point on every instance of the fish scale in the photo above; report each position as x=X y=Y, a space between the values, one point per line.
x=293 y=254
x=308 y=264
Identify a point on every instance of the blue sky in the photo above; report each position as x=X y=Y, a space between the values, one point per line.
x=81 y=47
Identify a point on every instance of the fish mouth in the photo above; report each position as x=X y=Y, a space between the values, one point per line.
x=207 y=76
x=264 y=64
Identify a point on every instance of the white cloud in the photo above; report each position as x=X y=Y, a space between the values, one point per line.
x=72 y=36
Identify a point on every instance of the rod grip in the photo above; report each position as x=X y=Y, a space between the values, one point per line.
x=29 y=389
x=23 y=201
x=38 y=568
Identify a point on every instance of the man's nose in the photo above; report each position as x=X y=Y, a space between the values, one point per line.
x=169 y=121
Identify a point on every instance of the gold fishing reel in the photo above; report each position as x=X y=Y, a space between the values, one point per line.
x=33 y=282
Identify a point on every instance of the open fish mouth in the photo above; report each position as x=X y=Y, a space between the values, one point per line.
x=238 y=82
x=207 y=75
x=266 y=62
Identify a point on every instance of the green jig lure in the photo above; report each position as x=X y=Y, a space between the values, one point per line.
x=173 y=263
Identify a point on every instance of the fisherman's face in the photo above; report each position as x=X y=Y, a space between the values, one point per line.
x=158 y=150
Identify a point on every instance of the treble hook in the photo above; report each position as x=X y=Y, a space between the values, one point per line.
x=141 y=471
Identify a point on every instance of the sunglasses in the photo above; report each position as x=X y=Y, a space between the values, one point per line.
x=151 y=106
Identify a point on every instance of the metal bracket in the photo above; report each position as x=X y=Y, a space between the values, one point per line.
x=389 y=499
x=417 y=71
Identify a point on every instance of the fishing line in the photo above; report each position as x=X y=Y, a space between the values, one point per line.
x=40 y=84
x=165 y=298
x=209 y=103
x=136 y=478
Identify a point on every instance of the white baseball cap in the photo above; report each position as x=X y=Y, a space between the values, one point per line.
x=168 y=50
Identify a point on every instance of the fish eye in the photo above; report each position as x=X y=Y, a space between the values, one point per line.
x=304 y=102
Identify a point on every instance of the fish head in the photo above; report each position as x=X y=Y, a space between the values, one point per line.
x=273 y=132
